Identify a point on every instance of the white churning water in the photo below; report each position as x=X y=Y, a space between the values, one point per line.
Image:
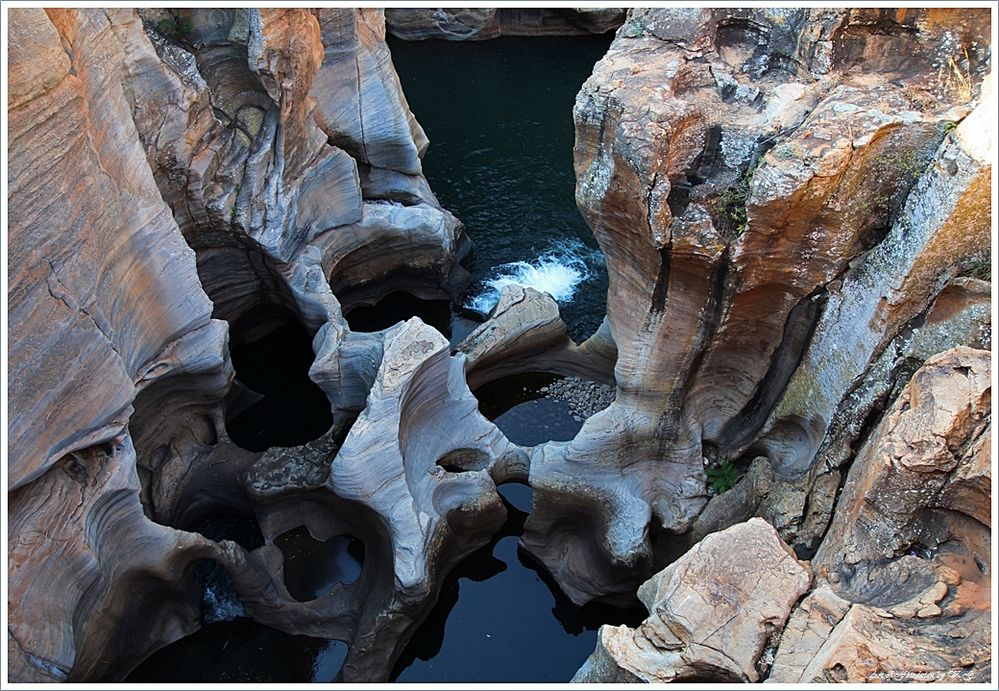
x=558 y=272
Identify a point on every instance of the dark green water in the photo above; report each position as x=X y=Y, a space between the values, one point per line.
x=499 y=118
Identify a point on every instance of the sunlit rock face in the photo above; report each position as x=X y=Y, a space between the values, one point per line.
x=792 y=205
x=168 y=167
x=901 y=580
x=780 y=198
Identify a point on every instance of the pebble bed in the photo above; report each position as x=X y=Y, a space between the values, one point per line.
x=583 y=397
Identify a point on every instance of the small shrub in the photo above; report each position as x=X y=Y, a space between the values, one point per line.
x=723 y=477
x=175 y=25
x=731 y=203
x=980 y=268
x=634 y=28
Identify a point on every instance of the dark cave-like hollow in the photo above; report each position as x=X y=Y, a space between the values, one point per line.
x=312 y=568
x=271 y=353
x=501 y=617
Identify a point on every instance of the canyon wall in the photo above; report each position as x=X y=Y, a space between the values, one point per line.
x=793 y=205
x=780 y=195
x=481 y=23
x=173 y=174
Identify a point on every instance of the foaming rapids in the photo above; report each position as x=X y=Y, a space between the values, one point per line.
x=558 y=272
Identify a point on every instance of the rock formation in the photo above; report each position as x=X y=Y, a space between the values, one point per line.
x=902 y=577
x=776 y=197
x=709 y=616
x=245 y=156
x=480 y=23
x=791 y=204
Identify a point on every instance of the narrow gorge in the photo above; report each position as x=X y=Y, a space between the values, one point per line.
x=499 y=345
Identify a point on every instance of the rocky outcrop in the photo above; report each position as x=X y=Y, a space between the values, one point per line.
x=104 y=295
x=785 y=199
x=161 y=162
x=524 y=333
x=709 y=616
x=315 y=137
x=777 y=198
x=480 y=23
x=801 y=507
x=906 y=556
x=425 y=464
x=902 y=576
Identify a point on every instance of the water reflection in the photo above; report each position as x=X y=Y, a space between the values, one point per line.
x=243 y=651
x=500 y=618
x=312 y=567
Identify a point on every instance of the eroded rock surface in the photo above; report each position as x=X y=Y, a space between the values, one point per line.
x=907 y=555
x=902 y=576
x=710 y=613
x=778 y=199
x=480 y=23
x=785 y=199
x=161 y=162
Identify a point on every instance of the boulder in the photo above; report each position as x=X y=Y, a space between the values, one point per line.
x=710 y=614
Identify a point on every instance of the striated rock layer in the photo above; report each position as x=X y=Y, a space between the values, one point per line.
x=480 y=23
x=780 y=199
x=168 y=167
x=902 y=581
x=786 y=200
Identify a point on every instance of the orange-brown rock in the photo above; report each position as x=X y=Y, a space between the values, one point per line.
x=710 y=615
x=102 y=288
x=906 y=557
x=777 y=196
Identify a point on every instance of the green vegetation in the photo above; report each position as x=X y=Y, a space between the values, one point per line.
x=174 y=25
x=723 y=477
x=980 y=268
x=634 y=28
x=730 y=205
x=894 y=176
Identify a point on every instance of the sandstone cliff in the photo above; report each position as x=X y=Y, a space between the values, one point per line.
x=166 y=169
x=780 y=198
x=481 y=23
x=901 y=582
x=788 y=202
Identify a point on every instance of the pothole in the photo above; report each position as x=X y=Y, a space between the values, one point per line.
x=312 y=568
x=464 y=460
x=241 y=528
x=531 y=409
x=243 y=651
x=501 y=618
x=399 y=307
x=271 y=353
